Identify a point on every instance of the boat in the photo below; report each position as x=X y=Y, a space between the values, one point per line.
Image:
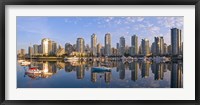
x=25 y=63
x=33 y=70
x=161 y=59
x=71 y=59
x=20 y=61
x=34 y=76
x=105 y=64
x=101 y=69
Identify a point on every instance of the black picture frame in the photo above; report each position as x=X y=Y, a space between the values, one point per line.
x=3 y=3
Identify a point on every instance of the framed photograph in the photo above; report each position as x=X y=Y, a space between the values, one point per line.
x=75 y=52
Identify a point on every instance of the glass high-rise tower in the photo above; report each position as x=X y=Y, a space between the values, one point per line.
x=176 y=41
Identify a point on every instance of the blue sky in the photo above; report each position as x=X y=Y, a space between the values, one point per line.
x=30 y=30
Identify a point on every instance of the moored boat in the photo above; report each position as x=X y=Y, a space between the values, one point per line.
x=25 y=63
x=33 y=70
x=71 y=59
x=101 y=69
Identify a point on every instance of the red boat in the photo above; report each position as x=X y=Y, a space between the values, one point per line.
x=33 y=70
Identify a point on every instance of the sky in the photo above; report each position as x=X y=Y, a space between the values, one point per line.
x=32 y=29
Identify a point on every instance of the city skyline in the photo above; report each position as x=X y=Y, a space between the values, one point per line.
x=157 y=48
x=30 y=30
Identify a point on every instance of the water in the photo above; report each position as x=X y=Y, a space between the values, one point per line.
x=60 y=74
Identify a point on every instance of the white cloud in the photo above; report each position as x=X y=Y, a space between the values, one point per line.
x=170 y=22
x=140 y=19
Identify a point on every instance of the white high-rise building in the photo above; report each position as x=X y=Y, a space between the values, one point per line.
x=107 y=44
x=94 y=44
x=45 y=46
x=145 y=47
x=80 y=45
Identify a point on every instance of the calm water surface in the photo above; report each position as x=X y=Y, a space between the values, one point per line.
x=123 y=75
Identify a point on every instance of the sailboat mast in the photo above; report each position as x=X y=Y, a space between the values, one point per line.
x=30 y=53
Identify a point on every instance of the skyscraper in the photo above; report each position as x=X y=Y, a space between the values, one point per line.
x=54 y=47
x=176 y=41
x=22 y=52
x=80 y=45
x=30 y=51
x=153 y=48
x=122 y=45
x=117 y=46
x=45 y=46
x=134 y=45
x=107 y=44
x=49 y=47
x=165 y=49
x=40 y=49
x=94 y=44
x=145 y=47
x=99 y=49
x=68 y=48
x=169 y=49
x=35 y=49
x=159 y=45
x=102 y=51
x=59 y=46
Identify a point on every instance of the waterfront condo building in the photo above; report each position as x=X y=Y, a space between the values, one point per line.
x=94 y=44
x=107 y=44
x=80 y=45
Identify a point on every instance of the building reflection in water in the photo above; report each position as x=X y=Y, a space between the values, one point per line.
x=158 y=71
x=121 y=69
x=93 y=77
x=68 y=67
x=107 y=76
x=80 y=72
x=133 y=66
x=177 y=75
x=60 y=65
x=145 y=69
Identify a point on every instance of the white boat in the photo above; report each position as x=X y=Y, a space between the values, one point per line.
x=25 y=63
x=71 y=59
x=20 y=61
